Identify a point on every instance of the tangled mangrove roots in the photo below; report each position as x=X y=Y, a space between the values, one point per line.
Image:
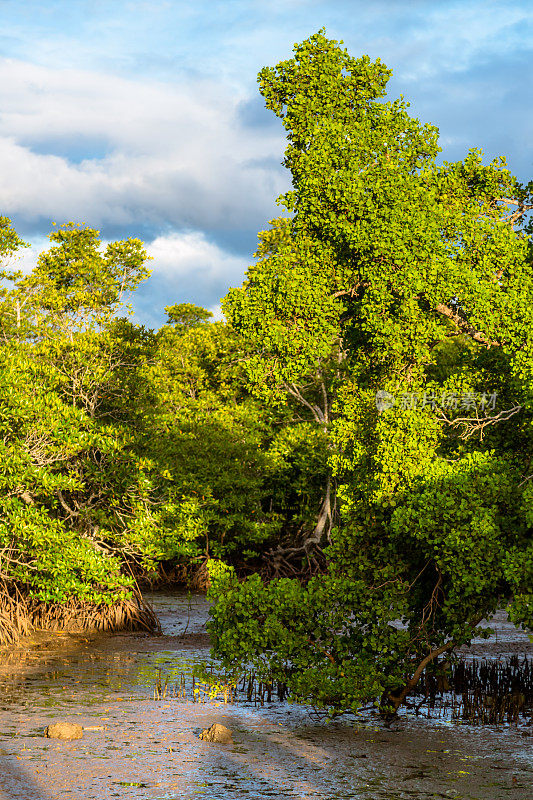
x=194 y=577
x=290 y=562
x=126 y=615
x=15 y=617
x=293 y=562
x=20 y=614
x=481 y=691
x=199 y=578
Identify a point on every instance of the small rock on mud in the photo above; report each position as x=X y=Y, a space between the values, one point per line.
x=217 y=733
x=64 y=730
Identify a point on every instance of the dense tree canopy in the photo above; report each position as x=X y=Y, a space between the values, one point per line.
x=124 y=448
x=357 y=435
x=410 y=285
x=68 y=471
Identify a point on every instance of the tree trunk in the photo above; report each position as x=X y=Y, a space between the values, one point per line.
x=279 y=557
x=324 y=522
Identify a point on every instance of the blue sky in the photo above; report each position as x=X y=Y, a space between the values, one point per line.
x=143 y=118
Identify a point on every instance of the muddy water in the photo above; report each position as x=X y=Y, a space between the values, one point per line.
x=135 y=747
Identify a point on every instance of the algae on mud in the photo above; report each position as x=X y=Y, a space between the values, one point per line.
x=151 y=749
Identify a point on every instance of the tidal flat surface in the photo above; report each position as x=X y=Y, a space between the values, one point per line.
x=138 y=747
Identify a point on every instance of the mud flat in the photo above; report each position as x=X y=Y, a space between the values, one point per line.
x=135 y=747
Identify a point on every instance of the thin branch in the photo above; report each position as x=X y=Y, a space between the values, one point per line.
x=477 y=424
x=352 y=291
x=64 y=505
x=397 y=700
x=325 y=399
x=522 y=209
x=317 y=413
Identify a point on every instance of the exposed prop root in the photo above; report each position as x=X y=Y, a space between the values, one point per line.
x=293 y=562
x=185 y=576
x=126 y=615
x=303 y=560
x=20 y=614
x=15 y=619
x=200 y=580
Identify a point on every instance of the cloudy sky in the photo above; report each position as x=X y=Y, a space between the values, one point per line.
x=143 y=118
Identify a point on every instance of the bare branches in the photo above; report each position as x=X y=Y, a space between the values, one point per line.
x=477 y=424
x=433 y=603
x=39 y=447
x=311 y=545
x=8 y=558
x=522 y=208
x=319 y=415
x=398 y=699
x=410 y=684
x=462 y=324
x=70 y=511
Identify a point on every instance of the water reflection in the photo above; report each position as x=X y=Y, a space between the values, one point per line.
x=134 y=747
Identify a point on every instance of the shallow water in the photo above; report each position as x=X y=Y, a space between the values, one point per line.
x=141 y=748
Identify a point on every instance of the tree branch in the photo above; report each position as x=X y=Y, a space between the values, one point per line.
x=315 y=410
x=397 y=700
x=474 y=424
x=465 y=326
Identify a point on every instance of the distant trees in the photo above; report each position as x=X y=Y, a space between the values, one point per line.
x=245 y=468
x=287 y=374
x=401 y=280
x=67 y=470
x=187 y=315
x=124 y=448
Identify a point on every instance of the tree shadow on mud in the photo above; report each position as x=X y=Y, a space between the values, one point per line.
x=20 y=666
x=16 y=784
x=271 y=760
x=342 y=761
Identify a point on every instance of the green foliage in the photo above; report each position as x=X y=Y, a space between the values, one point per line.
x=46 y=447
x=74 y=285
x=70 y=476
x=246 y=471
x=187 y=315
x=220 y=442
x=122 y=447
x=397 y=275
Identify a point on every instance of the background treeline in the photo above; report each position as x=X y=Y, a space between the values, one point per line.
x=126 y=450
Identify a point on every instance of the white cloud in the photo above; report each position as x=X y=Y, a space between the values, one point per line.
x=190 y=254
x=216 y=311
x=87 y=134
x=164 y=153
x=25 y=259
x=186 y=268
